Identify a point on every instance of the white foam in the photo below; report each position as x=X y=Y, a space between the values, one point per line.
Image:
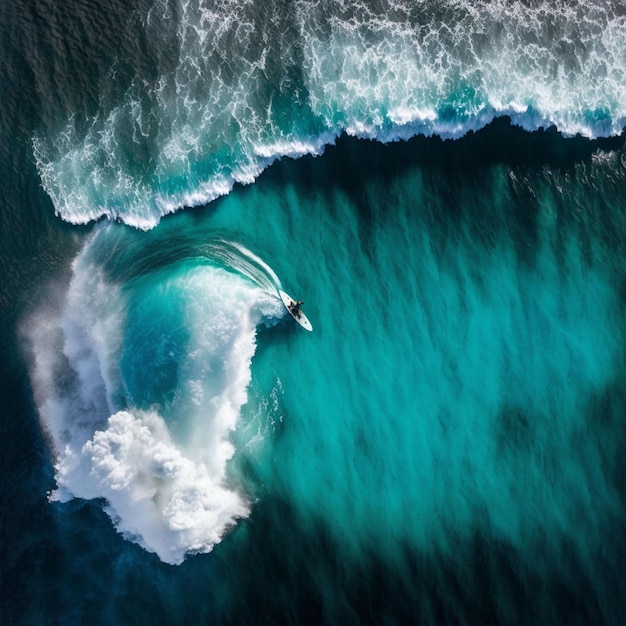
x=166 y=492
x=157 y=496
x=544 y=62
x=293 y=148
x=411 y=68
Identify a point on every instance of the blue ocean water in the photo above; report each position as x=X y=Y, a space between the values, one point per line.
x=445 y=446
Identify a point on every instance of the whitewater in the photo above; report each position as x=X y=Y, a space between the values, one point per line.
x=140 y=386
x=224 y=89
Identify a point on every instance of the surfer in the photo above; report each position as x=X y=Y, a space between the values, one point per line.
x=293 y=306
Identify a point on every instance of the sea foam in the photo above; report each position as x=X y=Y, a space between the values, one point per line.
x=269 y=83
x=159 y=460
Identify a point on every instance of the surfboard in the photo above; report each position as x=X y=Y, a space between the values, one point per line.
x=300 y=317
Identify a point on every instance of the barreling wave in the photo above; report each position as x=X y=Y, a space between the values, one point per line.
x=140 y=385
x=248 y=82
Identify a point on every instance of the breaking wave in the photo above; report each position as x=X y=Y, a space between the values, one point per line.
x=232 y=86
x=140 y=385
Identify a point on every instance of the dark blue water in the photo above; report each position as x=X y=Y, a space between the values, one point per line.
x=445 y=447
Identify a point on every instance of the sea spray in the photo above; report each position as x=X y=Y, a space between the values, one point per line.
x=144 y=392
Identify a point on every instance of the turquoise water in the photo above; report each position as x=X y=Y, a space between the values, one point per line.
x=450 y=390
x=461 y=393
x=461 y=380
x=445 y=446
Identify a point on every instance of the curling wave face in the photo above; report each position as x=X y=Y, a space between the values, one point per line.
x=140 y=385
x=234 y=85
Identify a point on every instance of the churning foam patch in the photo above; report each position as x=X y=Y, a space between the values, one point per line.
x=380 y=74
x=165 y=491
x=141 y=205
x=159 y=497
x=443 y=69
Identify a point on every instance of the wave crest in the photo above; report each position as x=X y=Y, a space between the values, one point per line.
x=140 y=387
x=254 y=83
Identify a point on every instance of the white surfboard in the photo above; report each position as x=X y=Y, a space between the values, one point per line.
x=300 y=317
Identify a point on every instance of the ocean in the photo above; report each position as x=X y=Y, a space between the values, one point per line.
x=443 y=183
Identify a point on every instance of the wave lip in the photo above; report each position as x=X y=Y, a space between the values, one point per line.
x=140 y=388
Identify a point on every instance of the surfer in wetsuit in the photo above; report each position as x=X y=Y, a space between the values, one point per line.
x=295 y=307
